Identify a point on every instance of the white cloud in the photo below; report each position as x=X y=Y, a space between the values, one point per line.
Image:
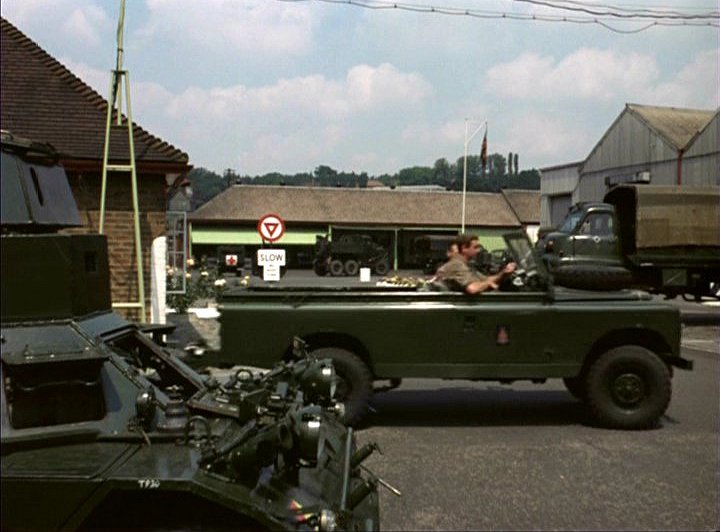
x=543 y=137
x=364 y=89
x=77 y=20
x=255 y=26
x=697 y=84
x=588 y=74
x=84 y=24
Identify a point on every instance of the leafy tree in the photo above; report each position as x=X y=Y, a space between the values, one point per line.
x=442 y=172
x=415 y=175
x=206 y=184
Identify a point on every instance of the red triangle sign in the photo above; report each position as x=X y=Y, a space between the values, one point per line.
x=271 y=227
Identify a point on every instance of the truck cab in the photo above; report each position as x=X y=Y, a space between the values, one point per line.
x=588 y=235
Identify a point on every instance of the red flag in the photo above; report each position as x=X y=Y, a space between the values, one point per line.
x=483 y=152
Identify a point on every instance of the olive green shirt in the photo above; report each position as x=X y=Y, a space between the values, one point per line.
x=457 y=275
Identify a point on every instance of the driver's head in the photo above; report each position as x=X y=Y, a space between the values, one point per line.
x=468 y=246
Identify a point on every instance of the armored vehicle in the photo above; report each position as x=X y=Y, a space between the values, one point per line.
x=348 y=253
x=614 y=350
x=102 y=427
x=660 y=238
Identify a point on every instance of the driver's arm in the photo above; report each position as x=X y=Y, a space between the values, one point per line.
x=491 y=282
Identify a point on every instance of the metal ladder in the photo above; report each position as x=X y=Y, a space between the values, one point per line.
x=118 y=76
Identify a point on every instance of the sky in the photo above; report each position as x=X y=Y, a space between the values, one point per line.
x=261 y=86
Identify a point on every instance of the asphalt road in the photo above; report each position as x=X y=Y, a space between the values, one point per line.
x=491 y=457
x=484 y=456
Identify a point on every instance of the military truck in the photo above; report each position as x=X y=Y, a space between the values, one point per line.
x=346 y=254
x=102 y=427
x=613 y=350
x=664 y=239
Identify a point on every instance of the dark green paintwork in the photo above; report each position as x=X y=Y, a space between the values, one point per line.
x=690 y=264
x=101 y=427
x=449 y=335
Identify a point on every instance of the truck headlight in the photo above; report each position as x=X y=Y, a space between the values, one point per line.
x=550 y=246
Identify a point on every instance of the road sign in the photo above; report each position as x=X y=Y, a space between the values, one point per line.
x=271 y=260
x=271 y=227
x=268 y=257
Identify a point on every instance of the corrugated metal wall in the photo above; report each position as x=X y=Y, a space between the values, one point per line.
x=556 y=182
x=630 y=146
x=701 y=162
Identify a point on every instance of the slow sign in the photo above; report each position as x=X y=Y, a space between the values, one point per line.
x=271 y=260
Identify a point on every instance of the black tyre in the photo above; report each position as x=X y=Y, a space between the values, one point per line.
x=320 y=268
x=382 y=267
x=354 y=387
x=336 y=268
x=576 y=387
x=628 y=387
x=351 y=267
x=593 y=277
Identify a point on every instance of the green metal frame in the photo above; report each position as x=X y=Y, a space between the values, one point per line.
x=118 y=76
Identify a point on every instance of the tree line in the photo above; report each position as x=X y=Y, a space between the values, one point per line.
x=483 y=175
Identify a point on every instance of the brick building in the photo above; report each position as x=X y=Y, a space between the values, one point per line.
x=45 y=102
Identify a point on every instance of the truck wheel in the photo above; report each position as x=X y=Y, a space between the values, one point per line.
x=336 y=268
x=382 y=267
x=354 y=387
x=351 y=267
x=576 y=387
x=628 y=387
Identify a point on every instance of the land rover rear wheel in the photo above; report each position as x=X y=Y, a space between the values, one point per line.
x=628 y=387
x=354 y=387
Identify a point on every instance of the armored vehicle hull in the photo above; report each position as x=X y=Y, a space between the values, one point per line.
x=101 y=427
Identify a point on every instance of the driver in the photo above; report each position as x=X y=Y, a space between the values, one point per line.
x=458 y=275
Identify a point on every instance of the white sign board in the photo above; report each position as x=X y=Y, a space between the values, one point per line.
x=271 y=272
x=271 y=260
x=266 y=257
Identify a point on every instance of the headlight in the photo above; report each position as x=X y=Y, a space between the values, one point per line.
x=309 y=433
x=328 y=521
x=550 y=246
x=318 y=381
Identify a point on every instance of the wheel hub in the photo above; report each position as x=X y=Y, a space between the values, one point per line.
x=628 y=389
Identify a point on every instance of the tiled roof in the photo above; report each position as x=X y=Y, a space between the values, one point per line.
x=248 y=203
x=44 y=101
x=525 y=203
x=678 y=126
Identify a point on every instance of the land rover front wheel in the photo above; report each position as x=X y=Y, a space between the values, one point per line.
x=354 y=386
x=628 y=387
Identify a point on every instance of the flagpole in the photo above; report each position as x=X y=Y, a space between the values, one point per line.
x=467 y=142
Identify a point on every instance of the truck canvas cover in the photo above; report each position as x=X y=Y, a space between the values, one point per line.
x=667 y=216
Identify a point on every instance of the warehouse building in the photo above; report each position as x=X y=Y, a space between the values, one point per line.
x=647 y=144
